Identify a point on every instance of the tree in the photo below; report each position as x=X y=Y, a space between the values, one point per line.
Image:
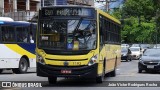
x=138 y=18
x=138 y=8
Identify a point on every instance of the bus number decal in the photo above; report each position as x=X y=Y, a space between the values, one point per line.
x=76 y=63
x=48 y=12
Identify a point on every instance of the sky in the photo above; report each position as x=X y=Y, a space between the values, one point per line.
x=112 y=4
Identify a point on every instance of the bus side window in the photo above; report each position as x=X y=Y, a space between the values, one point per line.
x=32 y=33
x=31 y=38
x=8 y=34
x=22 y=34
x=101 y=25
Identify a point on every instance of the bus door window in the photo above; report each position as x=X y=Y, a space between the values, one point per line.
x=31 y=38
x=8 y=34
x=32 y=35
x=59 y=30
x=53 y=33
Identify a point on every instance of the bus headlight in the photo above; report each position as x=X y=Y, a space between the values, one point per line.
x=93 y=60
x=40 y=59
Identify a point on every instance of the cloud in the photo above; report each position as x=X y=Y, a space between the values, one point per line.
x=99 y=5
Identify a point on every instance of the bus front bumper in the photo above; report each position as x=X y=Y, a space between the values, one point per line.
x=75 y=71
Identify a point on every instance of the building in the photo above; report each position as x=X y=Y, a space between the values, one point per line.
x=81 y=2
x=19 y=9
x=24 y=10
x=67 y=2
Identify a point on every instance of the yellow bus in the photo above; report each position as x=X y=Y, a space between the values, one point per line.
x=77 y=41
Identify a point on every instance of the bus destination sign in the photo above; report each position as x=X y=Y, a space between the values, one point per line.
x=67 y=11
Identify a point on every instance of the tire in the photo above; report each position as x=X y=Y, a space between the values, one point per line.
x=130 y=59
x=127 y=59
x=139 y=71
x=1 y=70
x=52 y=80
x=23 y=67
x=113 y=73
x=100 y=79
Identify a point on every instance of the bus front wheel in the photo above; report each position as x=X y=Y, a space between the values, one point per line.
x=23 y=67
x=1 y=70
x=52 y=80
x=100 y=79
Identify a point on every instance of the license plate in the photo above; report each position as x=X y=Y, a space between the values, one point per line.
x=66 y=71
x=150 y=66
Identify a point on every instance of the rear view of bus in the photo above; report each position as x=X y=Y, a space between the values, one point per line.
x=68 y=43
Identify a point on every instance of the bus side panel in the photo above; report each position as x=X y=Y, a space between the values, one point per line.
x=102 y=56
x=32 y=62
x=11 y=55
x=29 y=51
x=8 y=57
x=118 y=53
x=112 y=56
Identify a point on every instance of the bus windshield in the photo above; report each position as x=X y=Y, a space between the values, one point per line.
x=74 y=34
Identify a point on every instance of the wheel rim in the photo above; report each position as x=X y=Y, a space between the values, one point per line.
x=23 y=66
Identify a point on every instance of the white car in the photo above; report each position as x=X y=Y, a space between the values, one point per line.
x=157 y=46
x=136 y=52
x=135 y=45
x=125 y=45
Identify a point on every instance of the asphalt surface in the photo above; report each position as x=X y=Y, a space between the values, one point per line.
x=127 y=72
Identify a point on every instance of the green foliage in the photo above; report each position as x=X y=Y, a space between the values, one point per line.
x=138 y=20
x=139 y=8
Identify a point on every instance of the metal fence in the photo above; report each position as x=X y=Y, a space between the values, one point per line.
x=18 y=15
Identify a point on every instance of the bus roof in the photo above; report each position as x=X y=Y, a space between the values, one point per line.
x=108 y=16
x=6 y=19
x=99 y=11
x=14 y=23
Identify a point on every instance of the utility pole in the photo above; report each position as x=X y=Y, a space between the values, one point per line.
x=107 y=3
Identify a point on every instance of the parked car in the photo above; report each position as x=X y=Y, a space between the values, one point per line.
x=157 y=46
x=150 y=60
x=126 y=54
x=144 y=47
x=136 y=52
x=135 y=45
x=125 y=45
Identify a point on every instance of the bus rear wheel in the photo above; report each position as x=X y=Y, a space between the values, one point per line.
x=23 y=67
x=113 y=73
x=52 y=80
x=1 y=70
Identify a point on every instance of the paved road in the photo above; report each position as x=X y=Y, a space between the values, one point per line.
x=127 y=71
